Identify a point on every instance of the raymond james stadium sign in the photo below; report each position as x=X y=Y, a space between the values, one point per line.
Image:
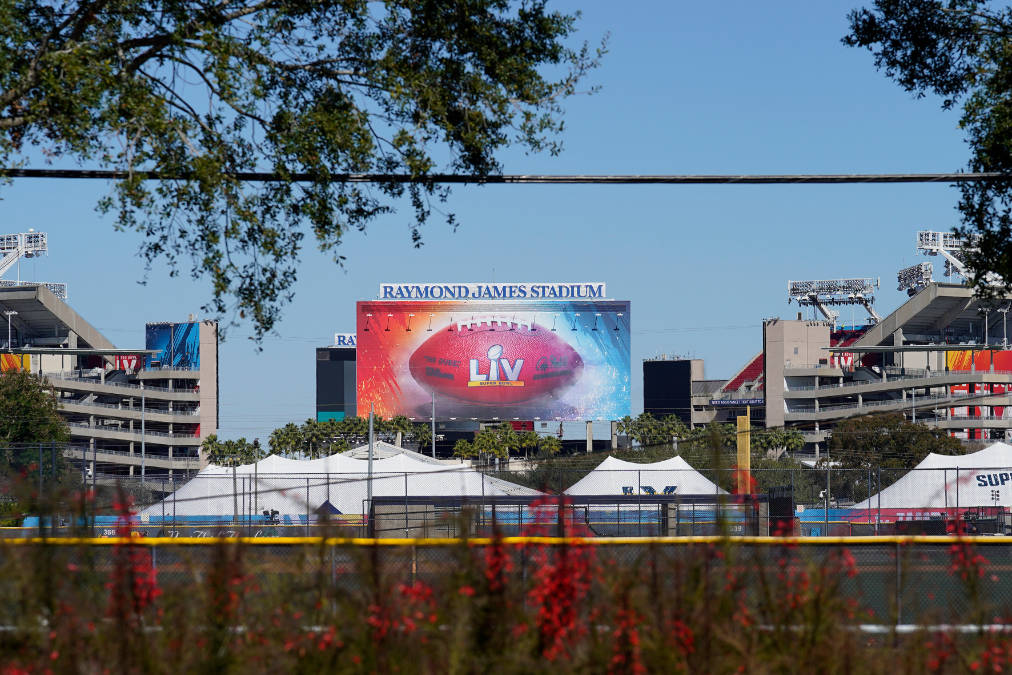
x=486 y=291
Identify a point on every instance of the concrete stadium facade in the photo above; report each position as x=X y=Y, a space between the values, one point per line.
x=125 y=416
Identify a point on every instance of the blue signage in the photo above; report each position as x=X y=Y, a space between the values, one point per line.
x=345 y=340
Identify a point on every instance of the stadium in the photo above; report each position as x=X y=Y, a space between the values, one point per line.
x=552 y=358
x=381 y=515
x=942 y=359
x=131 y=412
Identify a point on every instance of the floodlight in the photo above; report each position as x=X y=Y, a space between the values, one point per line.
x=914 y=278
x=823 y=293
x=28 y=244
x=954 y=249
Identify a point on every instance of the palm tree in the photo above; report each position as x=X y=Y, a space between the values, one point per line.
x=549 y=445
x=527 y=441
x=312 y=439
x=286 y=440
x=401 y=426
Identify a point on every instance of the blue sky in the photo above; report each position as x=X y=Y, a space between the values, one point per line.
x=735 y=87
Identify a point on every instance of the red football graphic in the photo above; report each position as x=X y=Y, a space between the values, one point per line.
x=495 y=363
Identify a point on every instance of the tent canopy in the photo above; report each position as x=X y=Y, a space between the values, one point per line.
x=298 y=488
x=614 y=476
x=982 y=478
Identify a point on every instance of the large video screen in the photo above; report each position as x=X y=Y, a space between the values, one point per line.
x=178 y=345
x=506 y=360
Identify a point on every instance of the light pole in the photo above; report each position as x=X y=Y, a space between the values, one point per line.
x=9 y=313
x=143 y=435
x=1004 y=326
x=368 y=484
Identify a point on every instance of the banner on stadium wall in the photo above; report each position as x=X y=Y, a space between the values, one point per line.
x=178 y=343
x=507 y=360
x=129 y=362
x=960 y=360
x=11 y=362
x=844 y=360
x=964 y=360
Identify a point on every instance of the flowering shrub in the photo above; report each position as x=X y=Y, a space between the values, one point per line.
x=502 y=605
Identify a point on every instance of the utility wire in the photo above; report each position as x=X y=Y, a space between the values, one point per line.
x=557 y=179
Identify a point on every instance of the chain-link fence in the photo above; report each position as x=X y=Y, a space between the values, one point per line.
x=891 y=580
x=513 y=605
x=815 y=501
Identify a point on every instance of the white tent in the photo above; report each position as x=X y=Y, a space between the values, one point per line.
x=981 y=478
x=297 y=489
x=616 y=477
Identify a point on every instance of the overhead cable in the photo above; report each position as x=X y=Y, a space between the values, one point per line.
x=556 y=179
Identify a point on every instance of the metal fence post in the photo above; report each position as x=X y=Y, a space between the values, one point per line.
x=235 y=495
x=878 y=516
x=245 y=506
x=869 y=496
x=639 y=503
x=307 y=506
x=899 y=593
x=825 y=512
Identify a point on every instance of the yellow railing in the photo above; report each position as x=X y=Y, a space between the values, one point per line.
x=509 y=541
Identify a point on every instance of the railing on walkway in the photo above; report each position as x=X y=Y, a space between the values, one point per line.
x=83 y=377
x=147 y=408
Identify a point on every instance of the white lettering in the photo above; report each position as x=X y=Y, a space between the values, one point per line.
x=475 y=376
x=425 y=291
x=512 y=373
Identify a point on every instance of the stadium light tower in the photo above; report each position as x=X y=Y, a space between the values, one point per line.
x=954 y=249
x=914 y=278
x=822 y=294
x=14 y=247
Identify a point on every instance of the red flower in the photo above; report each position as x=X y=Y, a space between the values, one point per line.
x=497 y=565
x=626 y=656
x=562 y=579
x=133 y=582
x=849 y=564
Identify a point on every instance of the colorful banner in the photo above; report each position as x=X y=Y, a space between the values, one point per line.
x=129 y=362
x=11 y=362
x=494 y=360
x=179 y=344
x=980 y=361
